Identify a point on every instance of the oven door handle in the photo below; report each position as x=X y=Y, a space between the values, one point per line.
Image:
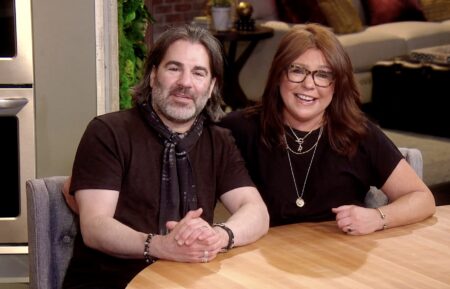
x=11 y=103
x=11 y=106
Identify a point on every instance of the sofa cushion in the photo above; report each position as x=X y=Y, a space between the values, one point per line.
x=264 y=10
x=253 y=75
x=364 y=82
x=436 y=10
x=359 y=7
x=416 y=34
x=341 y=15
x=367 y=47
x=386 y=11
x=436 y=159
x=294 y=11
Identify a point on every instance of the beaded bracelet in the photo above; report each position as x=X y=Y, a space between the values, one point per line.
x=230 y=236
x=148 y=259
x=383 y=217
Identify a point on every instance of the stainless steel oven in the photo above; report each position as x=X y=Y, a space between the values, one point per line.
x=17 y=121
x=16 y=61
x=17 y=149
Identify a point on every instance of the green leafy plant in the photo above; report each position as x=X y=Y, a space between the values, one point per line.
x=220 y=3
x=133 y=19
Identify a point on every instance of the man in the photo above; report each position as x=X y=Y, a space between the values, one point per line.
x=146 y=180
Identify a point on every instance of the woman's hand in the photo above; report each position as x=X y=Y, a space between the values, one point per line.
x=356 y=220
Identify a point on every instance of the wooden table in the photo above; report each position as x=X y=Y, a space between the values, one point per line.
x=318 y=255
x=233 y=94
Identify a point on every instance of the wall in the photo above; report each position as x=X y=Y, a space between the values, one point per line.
x=73 y=76
x=66 y=71
x=173 y=12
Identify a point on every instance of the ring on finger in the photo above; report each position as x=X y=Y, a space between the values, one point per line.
x=205 y=256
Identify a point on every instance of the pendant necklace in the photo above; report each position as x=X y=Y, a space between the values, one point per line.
x=299 y=140
x=299 y=150
x=300 y=202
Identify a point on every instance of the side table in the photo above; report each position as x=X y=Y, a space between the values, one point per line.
x=233 y=94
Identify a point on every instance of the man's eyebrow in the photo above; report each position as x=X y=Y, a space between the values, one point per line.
x=173 y=62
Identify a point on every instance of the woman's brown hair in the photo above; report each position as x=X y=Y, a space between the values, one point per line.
x=344 y=121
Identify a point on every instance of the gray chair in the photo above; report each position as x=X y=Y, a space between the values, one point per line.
x=52 y=228
x=376 y=198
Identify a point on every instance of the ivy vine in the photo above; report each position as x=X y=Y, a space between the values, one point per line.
x=133 y=19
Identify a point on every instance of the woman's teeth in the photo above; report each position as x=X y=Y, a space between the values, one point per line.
x=304 y=97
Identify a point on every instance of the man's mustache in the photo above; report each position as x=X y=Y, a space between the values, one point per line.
x=181 y=89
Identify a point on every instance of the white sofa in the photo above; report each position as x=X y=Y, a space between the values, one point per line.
x=365 y=48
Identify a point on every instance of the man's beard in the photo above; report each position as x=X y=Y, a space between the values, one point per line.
x=176 y=112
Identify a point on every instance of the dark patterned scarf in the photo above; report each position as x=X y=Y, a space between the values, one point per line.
x=178 y=195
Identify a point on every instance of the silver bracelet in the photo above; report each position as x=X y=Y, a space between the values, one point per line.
x=148 y=259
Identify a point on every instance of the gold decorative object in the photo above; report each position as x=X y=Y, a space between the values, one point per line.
x=244 y=10
x=244 y=22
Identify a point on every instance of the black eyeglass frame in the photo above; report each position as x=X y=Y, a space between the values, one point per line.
x=309 y=72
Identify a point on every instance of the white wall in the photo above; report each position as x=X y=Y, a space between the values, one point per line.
x=65 y=75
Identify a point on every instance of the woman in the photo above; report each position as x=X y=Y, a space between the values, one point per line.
x=312 y=152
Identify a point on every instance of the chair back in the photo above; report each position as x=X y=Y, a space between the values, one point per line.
x=52 y=228
x=375 y=197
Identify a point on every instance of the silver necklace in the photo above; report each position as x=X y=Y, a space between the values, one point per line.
x=300 y=202
x=299 y=140
x=299 y=150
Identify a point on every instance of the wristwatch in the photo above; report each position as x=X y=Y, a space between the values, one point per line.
x=230 y=244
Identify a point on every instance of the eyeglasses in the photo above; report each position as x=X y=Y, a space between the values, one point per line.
x=298 y=74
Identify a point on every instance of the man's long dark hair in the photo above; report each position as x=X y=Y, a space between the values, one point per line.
x=344 y=121
x=143 y=91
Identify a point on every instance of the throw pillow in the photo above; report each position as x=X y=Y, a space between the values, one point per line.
x=341 y=15
x=385 y=11
x=304 y=11
x=436 y=10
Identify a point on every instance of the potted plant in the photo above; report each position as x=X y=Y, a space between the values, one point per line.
x=133 y=18
x=221 y=14
x=221 y=3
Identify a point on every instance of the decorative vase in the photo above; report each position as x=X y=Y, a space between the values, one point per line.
x=221 y=18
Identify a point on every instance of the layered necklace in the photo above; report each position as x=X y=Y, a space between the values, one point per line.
x=300 y=202
x=299 y=141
